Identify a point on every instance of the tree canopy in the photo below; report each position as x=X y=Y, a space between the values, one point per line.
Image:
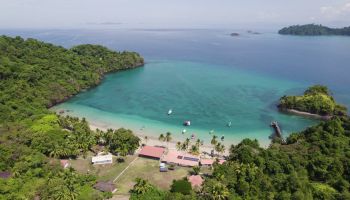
x=316 y=100
x=33 y=77
x=314 y=30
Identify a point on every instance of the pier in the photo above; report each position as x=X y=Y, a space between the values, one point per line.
x=278 y=131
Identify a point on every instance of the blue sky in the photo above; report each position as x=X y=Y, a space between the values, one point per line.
x=171 y=13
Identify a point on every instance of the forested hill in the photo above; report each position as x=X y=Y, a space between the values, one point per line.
x=316 y=100
x=34 y=76
x=314 y=30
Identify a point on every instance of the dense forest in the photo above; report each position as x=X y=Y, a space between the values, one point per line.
x=34 y=76
x=316 y=100
x=312 y=164
x=313 y=29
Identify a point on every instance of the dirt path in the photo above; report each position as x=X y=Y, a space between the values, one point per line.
x=126 y=168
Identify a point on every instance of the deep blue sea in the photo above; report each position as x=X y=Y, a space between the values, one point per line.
x=208 y=77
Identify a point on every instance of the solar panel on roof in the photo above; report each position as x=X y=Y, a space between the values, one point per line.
x=191 y=159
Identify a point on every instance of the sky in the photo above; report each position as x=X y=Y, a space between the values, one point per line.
x=171 y=13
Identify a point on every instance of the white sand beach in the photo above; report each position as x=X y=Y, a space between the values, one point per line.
x=153 y=141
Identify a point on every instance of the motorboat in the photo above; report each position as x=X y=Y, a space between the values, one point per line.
x=187 y=123
x=183 y=131
x=170 y=111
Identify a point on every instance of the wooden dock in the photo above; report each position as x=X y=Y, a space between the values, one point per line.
x=277 y=129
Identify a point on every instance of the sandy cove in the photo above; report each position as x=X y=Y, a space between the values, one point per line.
x=153 y=141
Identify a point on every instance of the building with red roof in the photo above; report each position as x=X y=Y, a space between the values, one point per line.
x=181 y=158
x=152 y=152
x=207 y=162
x=195 y=180
x=221 y=161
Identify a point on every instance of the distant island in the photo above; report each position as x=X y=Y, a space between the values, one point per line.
x=253 y=32
x=235 y=34
x=316 y=102
x=314 y=30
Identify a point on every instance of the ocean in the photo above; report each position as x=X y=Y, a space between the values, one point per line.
x=208 y=77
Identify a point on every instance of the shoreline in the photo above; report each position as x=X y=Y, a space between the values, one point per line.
x=305 y=114
x=102 y=76
x=153 y=141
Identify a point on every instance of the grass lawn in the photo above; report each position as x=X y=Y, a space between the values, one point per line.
x=149 y=169
x=145 y=168
x=103 y=172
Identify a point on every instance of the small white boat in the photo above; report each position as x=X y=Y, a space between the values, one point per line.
x=229 y=124
x=211 y=132
x=187 y=123
x=170 y=111
x=183 y=131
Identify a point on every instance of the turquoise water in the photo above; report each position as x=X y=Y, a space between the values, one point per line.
x=208 y=77
x=208 y=95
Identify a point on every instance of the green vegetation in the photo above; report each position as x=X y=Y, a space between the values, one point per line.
x=143 y=190
x=313 y=29
x=121 y=141
x=181 y=186
x=147 y=169
x=316 y=100
x=33 y=77
x=313 y=164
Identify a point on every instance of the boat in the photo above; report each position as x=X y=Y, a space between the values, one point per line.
x=229 y=124
x=187 y=123
x=183 y=131
x=211 y=132
x=170 y=111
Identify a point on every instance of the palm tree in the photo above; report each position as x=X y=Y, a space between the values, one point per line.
x=220 y=148
x=196 y=170
x=141 y=186
x=161 y=138
x=198 y=142
x=168 y=138
x=223 y=148
x=146 y=139
x=217 y=191
x=178 y=146
x=184 y=147
x=194 y=150
x=187 y=142
x=214 y=141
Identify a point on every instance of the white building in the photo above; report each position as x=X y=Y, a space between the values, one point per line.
x=105 y=159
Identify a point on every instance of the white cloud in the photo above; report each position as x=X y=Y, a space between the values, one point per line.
x=336 y=11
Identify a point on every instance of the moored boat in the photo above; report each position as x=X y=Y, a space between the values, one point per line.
x=187 y=123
